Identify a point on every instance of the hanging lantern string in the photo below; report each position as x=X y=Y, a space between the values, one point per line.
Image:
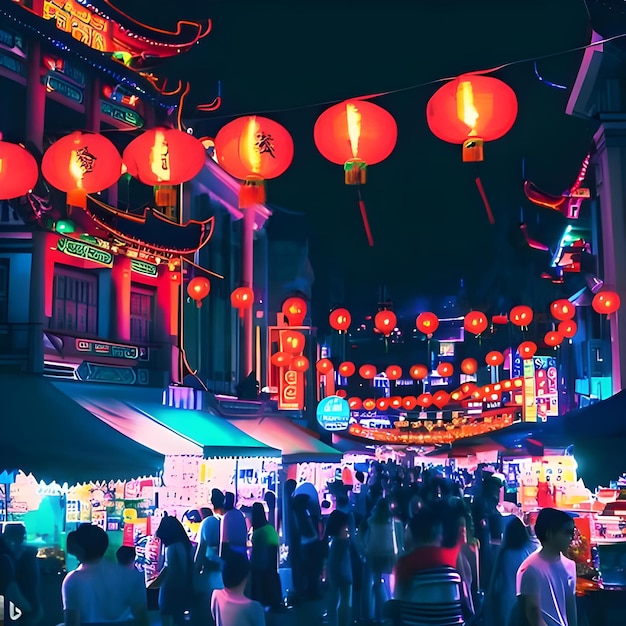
x=483 y=195
x=366 y=224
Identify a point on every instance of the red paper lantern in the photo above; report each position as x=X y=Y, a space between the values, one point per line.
x=418 y=372
x=424 y=400
x=469 y=366
x=253 y=149
x=292 y=341
x=606 y=302
x=494 y=358
x=445 y=370
x=300 y=363
x=409 y=402
x=521 y=315
x=382 y=404
x=553 y=338
x=472 y=109
x=475 y=322
x=527 y=349
x=355 y=134
x=81 y=163
x=18 y=170
x=342 y=393
x=355 y=403
x=340 y=319
x=242 y=298
x=427 y=323
x=367 y=371
x=198 y=289
x=562 y=309
x=568 y=328
x=323 y=366
x=294 y=309
x=500 y=319
x=395 y=402
x=346 y=369
x=393 y=372
x=369 y=404
x=441 y=398
x=280 y=359
x=385 y=322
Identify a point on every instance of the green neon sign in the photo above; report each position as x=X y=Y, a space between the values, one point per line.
x=143 y=267
x=81 y=250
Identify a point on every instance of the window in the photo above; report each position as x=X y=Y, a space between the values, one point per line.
x=75 y=301
x=141 y=314
x=4 y=290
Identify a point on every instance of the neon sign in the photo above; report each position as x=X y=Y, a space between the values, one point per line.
x=84 y=25
x=122 y=114
x=83 y=251
x=143 y=267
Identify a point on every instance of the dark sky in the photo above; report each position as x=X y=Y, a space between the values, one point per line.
x=288 y=60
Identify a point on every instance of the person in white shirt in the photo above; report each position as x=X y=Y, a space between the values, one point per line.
x=229 y=606
x=546 y=580
x=100 y=591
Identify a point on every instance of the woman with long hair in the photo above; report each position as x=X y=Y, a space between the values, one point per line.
x=264 y=581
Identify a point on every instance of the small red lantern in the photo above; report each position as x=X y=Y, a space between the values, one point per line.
x=424 y=400
x=441 y=398
x=18 y=170
x=427 y=323
x=606 y=302
x=346 y=369
x=469 y=366
x=494 y=358
x=418 y=372
x=395 y=402
x=445 y=370
x=340 y=319
x=355 y=403
x=198 y=289
x=409 y=402
x=294 y=309
x=527 y=349
x=521 y=315
x=292 y=341
x=500 y=320
x=382 y=404
x=341 y=393
x=475 y=322
x=470 y=110
x=562 y=309
x=280 y=359
x=253 y=149
x=300 y=363
x=369 y=404
x=323 y=366
x=393 y=372
x=81 y=163
x=553 y=338
x=568 y=328
x=385 y=322
x=242 y=298
x=367 y=371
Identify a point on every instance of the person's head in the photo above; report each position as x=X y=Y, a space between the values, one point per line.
x=258 y=515
x=235 y=572
x=171 y=531
x=229 y=501
x=360 y=476
x=554 y=529
x=425 y=526
x=217 y=500
x=125 y=556
x=87 y=543
x=14 y=534
x=205 y=512
x=516 y=535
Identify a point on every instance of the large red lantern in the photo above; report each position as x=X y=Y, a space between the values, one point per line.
x=340 y=319
x=445 y=370
x=494 y=358
x=606 y=302
x=475 y=322
x=242 y=298
x=81 y=163
x=427 y=323
x=385 y=322
x=441 y=398
x=393 y=372
x=562 y=309
x=323 y=366
x=367 y=371
x=418 y=372
x=527 y=349
x=18 y=170
x=470 y=110
x=469 y=366
x=521 y=315
x=346 y=369
x=568 y=328
x=253 y=149
x=553 y=338
x=294 y=309
x=198 y=289
x=292 y=341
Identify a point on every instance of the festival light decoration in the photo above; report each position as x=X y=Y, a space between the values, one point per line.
x=409 y=402
x=367 y=371
x=393 y=372
x=395 y=402
x=567 y=328
x=342 y=393
x=346 y=369
x=470 y=110
x=355 y=403
x=418 y=372
x=253 y=149
x=562 y=309
x=475 y=322
x=242 y=298
x=369 y=404
x=427 y=323
x=441 y=398
x=18 y=170
x=445 y=369
x=382 y=404
x=385 y=322
x=340 y=319
x=527 y=349
x=521 y=316
x=494 y=358
x=323 y=366
x=553 y=338
x=292 y=341
x=606 y=302
x=299 y=363
x=198 y=289
x=280 y=359
x=424 y=400
x=294 y=309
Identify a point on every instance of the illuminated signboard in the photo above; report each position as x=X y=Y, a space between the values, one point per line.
x=54 y=83
x=333 y=413
x=544 y=385
x=112 y=350
x=121 y=113
x=11 y=41
x=529 y=407
x=83 y=251
x=12 y=64
x=84 y=25
x=143 y=267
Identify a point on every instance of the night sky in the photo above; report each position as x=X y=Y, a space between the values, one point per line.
x=291 y=60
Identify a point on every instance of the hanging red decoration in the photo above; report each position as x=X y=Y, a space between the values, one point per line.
x=445 y=370
x=382 y=404
x=562 y=309
x=198 y=289
x=369 y=404
x=469 y=366
x=418 y=372
x=300 y=363
x=553 y=338
x=253 y=149
x=568 y=328
x=342 y=393
x=385 y=322
x=500 y=320
x=393 y=372
x=409 y=402
x=427 y=323
x=494 y=358
x=340 y=319
x=424 y=400
x=606 y=302
x=292 y=341
x=367 y=371
x=521 y=315
x=18 y=170
x=355 y=403
x=395 y=402
x=81 y=163
x=323 y=366
x=346 y=369
x=470 y=110
x=441 y=398
x=294 y=309
x=242 y=298
x=280 y=359
x=475 y=322
x=527 y=349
